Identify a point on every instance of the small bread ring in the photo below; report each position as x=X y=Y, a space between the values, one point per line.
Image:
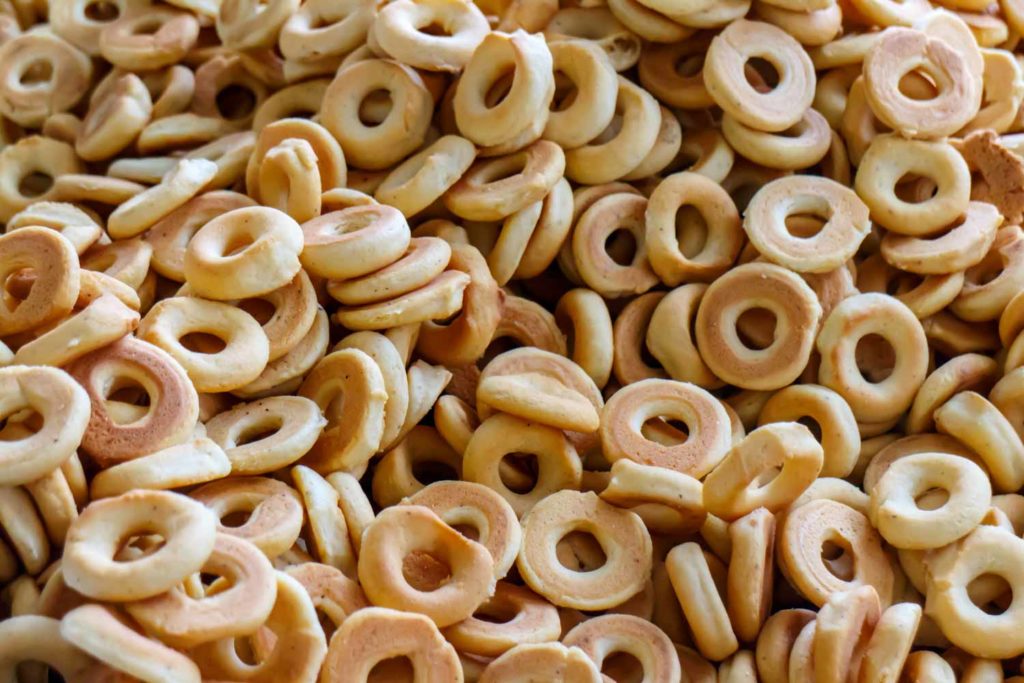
x=853 y=319
x=727 y=84
x=354 y=242
x=596 y=267
x=173 y=402
x=630 y=407
x=62 y=76
x=241 y=360
x=196 y=461
x=404 y=127
x=609 y=634
x=808 y=527
x=398 y=32
x=526 y=103
x=274 y=509
x=376 y=634
x=424 y=177
x=188 y=530
x=464 y=503
x=147 y=38
x=269 y=240
x=22 y=164
x=350 y=442
x=402 y=530
x=731 y=490
x=723 y=238
x=748 y=287
x=425 y=259
x=294 y=424
x=532 y=620
x=498 y=187
x=171 y=234
x=957 y=90
x=621 y=534
x=846 y=223
x=558 y=464
x=242 y=608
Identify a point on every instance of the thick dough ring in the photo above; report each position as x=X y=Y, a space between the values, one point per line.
x=754 y=286
x=629 y=408
x=375 y=634
x=188 y=530
x=181 y=621
x=621 y=534
x=727 y=84
x=246 y=349
x=404 y=530
x=64 y=408
x=846 y=223
x=808 y=527
x=464 y=503
x=173 y=402
x=54 y=262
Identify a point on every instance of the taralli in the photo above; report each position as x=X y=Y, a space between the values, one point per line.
x=89 y=563
x=256 y=249
x=132 y=364
x=408 y=529
x=274 y=511
x=511 y=340
x=754 y=286
x=63 y=408
x=376 y=634
x=622 y=538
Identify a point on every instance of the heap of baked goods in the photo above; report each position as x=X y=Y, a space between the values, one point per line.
x=511 y=341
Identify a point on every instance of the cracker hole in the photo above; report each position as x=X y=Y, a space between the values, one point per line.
x=235 y=519
x=259 y=431
x=20 y=425
x=202 y=342
x=838 y=560
x=518 y=472
x=424 y=572
x=492 y=612
x=435 y=28
x=666 y=432
x=990 y=593
x=260 y=309
x=932 y=499
x=804 y=225
x=623 y=667
x=621 y=246
x=876 y=358
x=237 y=243
x=375 y=108
x=236 y=102
x=761 y=74
x=691 y=231
x=812 y=425
x=580 y=551
x=756 y=328
x=147 y=27
x=566 y=92
x=35 y=184
x=37 y=73
x=429 y=471
x=102 y=11
x=915 y=189
x=499 y=89
x=393 y=670
x=919 y=86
